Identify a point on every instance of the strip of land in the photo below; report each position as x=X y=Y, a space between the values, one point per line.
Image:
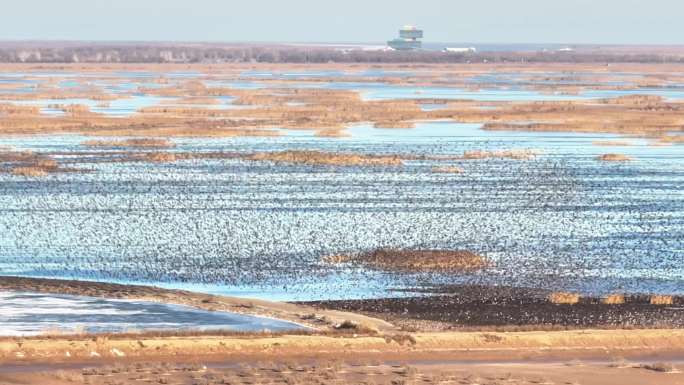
x=353 y=346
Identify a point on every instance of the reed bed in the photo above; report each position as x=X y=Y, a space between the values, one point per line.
x=661 y=300
x=501 y=154
x=564 y=298
x=394 y=124
x=415 y=260
x=14 y=109
x=614 y=158
x=617 y=143
x=328 y=110
x=131 y=143
x=613 y=299
x=671 y=139
x=448 y=170
x=160 y=157
x=29 y=171
x=332 y=133
x=327 y=158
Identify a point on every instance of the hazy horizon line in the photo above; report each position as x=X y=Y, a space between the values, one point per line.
x=268 y=42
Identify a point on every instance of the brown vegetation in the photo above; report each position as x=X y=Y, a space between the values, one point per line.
x=29 y=171
x=563 y=298
x=133 y=143
x=316 y=365
x=614 y=158
x=327 y=158
x=283 y=104
x=160 y=157
x=672 y=139
x=415 y=260
x=71 y=109
x=642 y=101
x=503 y=154
x=619 y=143
x=448 y=170
x=28 y=163
x=663 y=367
x=613 y=299
x=662 y=300
x=332 y=133
x=394 y=124
x=18 y=110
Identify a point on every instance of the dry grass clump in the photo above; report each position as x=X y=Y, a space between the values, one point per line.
x=564 y=298
x=185 y=110
x=29 y=171
x=72 y=109
x=326 y=158
x=611 y=143
x=57 y=93
x=401 y=339
x=448 y=170
x=672 y=139
x=645 y=119
x=356 y=327
x=17 y=156
x=160 y=157
x=619 y=362
x=501 y=154
x=134 y=143
x=332 y=133
x=415 y=260
x=662 y=367
x=613 y=299
x=614 y=158
x=27 y=163
x=46 y=164
x=196 y=100
x=13 y=109
x=198 y=130
x=394 y=124
x=661 y=300
x=659 y=144
x=635 y=100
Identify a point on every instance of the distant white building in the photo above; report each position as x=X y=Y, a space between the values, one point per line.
x=409 y=39
x=460 y=49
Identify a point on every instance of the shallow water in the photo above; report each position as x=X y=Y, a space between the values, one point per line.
x=563 y=220
x=25 y=314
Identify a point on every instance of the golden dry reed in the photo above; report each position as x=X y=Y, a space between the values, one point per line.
x=614 y=158
x=661 y=300
x=613 y=299
x=564 y=298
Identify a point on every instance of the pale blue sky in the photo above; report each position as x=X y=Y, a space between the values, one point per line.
x=495 y=21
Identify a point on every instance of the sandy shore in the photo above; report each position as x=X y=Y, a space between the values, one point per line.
x=568 y=357
x=341 y=372
x=467 y=346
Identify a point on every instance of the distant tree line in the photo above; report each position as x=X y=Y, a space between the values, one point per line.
x=165 y=53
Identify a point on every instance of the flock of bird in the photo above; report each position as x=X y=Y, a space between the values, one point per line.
x=231 y=225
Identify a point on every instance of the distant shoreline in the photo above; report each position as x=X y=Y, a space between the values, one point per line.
x=214 y=53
